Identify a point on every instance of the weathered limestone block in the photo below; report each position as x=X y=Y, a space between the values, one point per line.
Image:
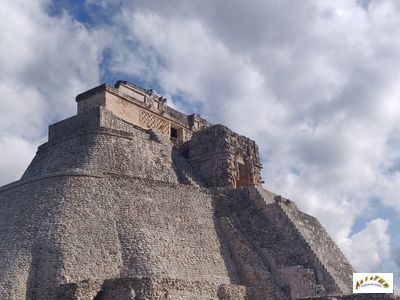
x=224 y=158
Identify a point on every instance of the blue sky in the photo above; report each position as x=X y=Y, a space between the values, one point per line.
x=315 y=83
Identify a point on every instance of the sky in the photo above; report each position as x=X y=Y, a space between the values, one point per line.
x=315 y=83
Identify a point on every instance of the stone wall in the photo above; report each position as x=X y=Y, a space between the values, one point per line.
x=132 y=91
x=224 y=158
x=75 y=228
x=94 y=148
x=91 y=102
x=98 y=117
x=123 y=109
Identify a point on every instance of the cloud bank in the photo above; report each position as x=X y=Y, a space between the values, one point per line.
x=315 y=83
x=45 y=61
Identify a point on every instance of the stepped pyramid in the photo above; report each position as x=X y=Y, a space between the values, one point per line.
x=131 y=199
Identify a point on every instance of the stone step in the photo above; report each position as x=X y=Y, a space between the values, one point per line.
x=281 y=207
x=333 y=273
x=185 y=172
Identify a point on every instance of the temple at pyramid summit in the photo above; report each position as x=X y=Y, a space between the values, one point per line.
x=132 y=199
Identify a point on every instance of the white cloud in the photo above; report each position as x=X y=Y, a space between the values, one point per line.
x=45 y=61
x=370 y=247
x=22 y=109
x=16 y=154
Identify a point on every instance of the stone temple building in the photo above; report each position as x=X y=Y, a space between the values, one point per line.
x=131 y=199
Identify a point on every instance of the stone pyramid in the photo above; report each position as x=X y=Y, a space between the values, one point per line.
x=131 y=199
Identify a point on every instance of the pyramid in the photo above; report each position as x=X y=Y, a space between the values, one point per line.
x=132 y=199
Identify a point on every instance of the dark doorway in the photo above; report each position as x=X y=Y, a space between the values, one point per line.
x=243 y=176
x=174 y=132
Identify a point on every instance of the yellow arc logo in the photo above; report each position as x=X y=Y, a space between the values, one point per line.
x=372 y=280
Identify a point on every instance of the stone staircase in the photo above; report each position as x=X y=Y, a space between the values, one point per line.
x=301 y=281
x=267 y=196
x=313 y=235
x=320 y=243
x=185 y=173
x=275 y=213
x=250 y=262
